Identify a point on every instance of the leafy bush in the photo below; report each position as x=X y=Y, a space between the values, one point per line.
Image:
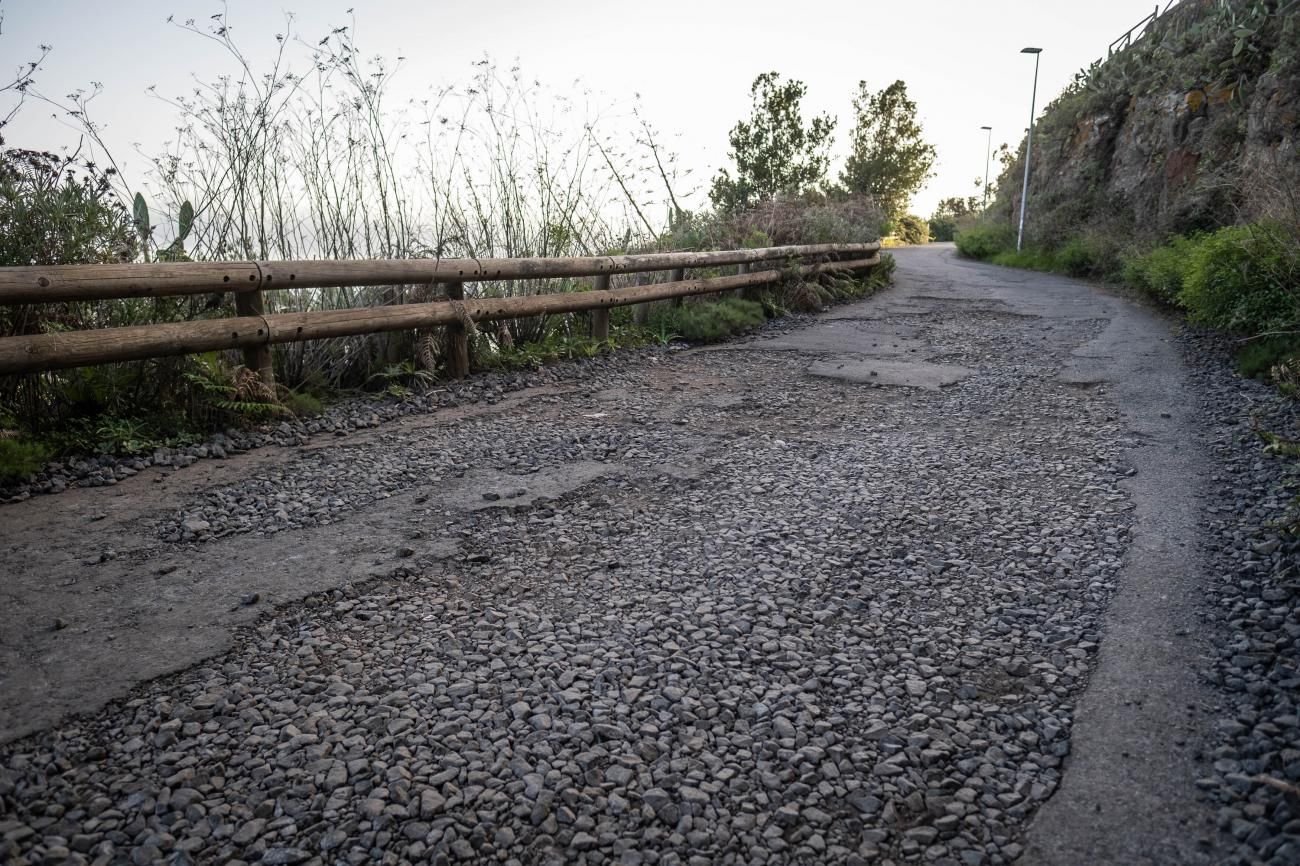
x=1260 y=357
x=20 y=458
x=811 y=218
x=911 y=229
x=943 y=228
x=830 y=225
x=558 y=346
x=882 y=274
x=1030 y=259
x=1244 y=278
x=1160 y=273
x=985 y=240
x=949 y=213
x=1076 y=258
x=305 y=404
x=1091 y=254
x=860 y=286
x=54 y=210
x=1286 y=375
x=707 y=321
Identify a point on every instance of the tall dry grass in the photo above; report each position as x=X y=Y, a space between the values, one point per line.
x=312 y=156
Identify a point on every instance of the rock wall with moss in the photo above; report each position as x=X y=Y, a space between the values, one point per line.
x=1194 y=126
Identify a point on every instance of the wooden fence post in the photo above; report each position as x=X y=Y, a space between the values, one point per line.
x=600 y=318
x=754 y=293
x=457 y=337
x=641 y=312
x=257 y=358
x=676 y=276
x=426 y=355
x=741 y=269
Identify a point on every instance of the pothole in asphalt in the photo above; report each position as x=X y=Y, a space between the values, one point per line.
x=894 y=373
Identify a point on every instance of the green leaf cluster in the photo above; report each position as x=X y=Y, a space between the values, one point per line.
x=56 y=211
x=773 y=152
x=708 y=321
x=888 y=157
x=175 y=251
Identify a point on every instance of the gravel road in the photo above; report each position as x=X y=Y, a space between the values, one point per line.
x=872 y=587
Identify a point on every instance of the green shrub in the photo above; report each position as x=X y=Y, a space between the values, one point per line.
x=1076 y=258
x=1087 y=255
x=707 y=321
x=557 y=345
x=1161 y=272
x=858 y=286
x=985 y=240
x=1286 y=376
x=883 y=274
x=911 y=229
x=1030 y=259
x=305 y=404
x=1258 y=358
x=1245 y=279
x=801 y=219
x=943 y=228
x=20 y=458
x=57 y=210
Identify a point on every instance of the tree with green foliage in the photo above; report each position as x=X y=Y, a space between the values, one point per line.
x=889 y=159
x=956 y=206
x=774 y=153
x=943 y=222
x=911 y=229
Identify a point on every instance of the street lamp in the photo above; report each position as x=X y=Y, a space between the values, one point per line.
x=988 y=150
x=1029 y=145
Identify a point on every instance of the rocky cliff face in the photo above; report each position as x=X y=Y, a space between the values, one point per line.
x=1189 y=128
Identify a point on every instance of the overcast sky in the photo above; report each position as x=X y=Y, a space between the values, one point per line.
x=691 y=61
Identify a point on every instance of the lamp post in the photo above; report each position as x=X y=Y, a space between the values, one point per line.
x=1029 y=145
x=988 y=150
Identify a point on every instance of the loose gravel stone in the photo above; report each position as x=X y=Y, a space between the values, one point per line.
x=849 y=609
x=1251 y=609
x=815 y=622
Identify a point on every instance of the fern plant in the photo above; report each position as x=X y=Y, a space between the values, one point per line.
x=398 y=380
x=239 y=393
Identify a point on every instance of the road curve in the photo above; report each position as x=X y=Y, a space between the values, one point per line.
x=910 y=582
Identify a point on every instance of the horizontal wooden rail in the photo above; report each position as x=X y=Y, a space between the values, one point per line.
x=34 y=353
x=41 y=284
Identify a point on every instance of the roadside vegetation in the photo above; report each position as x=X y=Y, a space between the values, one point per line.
x=1240 y=279
x=311 y=157
x=1228 y=256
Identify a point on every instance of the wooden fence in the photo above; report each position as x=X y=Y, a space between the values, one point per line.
x=254 y=331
